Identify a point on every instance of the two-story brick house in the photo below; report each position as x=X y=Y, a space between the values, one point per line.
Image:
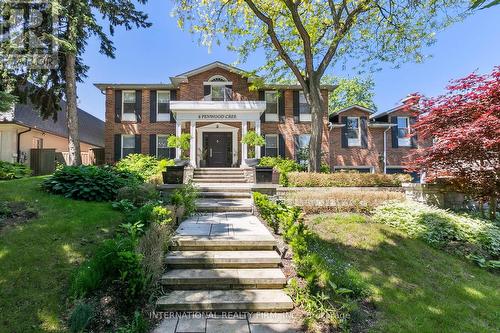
x=217 y=104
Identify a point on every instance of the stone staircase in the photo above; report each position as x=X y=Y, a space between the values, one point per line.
x=224 y=258
x=219 y=175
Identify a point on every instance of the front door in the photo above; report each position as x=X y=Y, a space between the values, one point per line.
x=218 y=148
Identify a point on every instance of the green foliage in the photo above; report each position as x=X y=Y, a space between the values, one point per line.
x=80 y=317
x=349 y=92
x=183 y=142
x=4 y=209
x=7 y=101
x=252 y=140
x=88 y=182
x=482 y=3
x=145 y=166
x=283 y=165
x=138 y=194
x=13 y=170
x=138 y=325
x=346 y=179
x=185 y=196
x=462 y=234
x=330 y=284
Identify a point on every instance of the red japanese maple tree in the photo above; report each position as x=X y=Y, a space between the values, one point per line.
x=464 y=127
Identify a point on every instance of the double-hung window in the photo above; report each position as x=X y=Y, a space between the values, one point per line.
x=304 y=109
x=353 y=132
x=163 y=105
x=217 y=92
x=128 y=145
x=404 y=139
x=303 y=149
x=162 y=150
x=271 y=106
x=272 y=145
x=128 y=106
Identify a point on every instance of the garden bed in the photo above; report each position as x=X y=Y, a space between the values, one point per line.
x=15 y=213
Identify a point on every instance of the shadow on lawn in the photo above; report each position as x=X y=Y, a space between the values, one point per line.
x=414 y=287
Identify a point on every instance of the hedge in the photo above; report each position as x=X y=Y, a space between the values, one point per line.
x=346 y=179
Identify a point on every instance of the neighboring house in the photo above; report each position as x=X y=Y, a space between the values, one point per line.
x=23 y=129
x=367 y=142
x=215 y=104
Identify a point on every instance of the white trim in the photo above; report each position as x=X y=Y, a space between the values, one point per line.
x=355 y=106
x=216 y=127
x=121 y=145
x=277 y=143
x=157 y=136
x=349 y=167
x=130 y=116
x=355 y=142
x=163 y=116
x=404 y=142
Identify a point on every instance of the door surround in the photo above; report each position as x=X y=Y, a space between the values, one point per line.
x=216 y=127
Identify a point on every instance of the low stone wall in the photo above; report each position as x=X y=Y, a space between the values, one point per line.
x=437 y=195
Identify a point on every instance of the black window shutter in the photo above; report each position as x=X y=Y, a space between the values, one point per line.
x=296 y=147
x=262 y=97
x=281 y=106
x=413 y=138
x=173 y=97
x=364 y=132
x=118 y=106
x=138 y=105
x=263 y=150
x=138 y=149
x=118 y=147
x=343 y=132
x=206 y=90
x=281 y=146
x=152 y=145
x=394 y=132
x=152 y=106
x=296 y=106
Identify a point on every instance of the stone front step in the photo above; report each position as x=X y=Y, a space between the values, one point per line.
x=223 y=187
x=224 y=278
x=218 y=172
x=253 y=300
x=222 y=259
x=202 y=243
x=219 y=180
x=224 y=205
x=225 y=195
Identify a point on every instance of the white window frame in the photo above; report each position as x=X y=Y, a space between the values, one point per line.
x=277 y=143
x=122 y=146
x=217 y=80
x=128 y=116
x=272 y=117
x=304 y=117
x=157 y=137
x=162 y=116
x=404 y=142
x=357 y=141
x=304 y=162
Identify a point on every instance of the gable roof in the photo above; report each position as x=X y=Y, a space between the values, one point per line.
x=216 y=64
x=355 y=106
x=91 y=128
x=404 y=103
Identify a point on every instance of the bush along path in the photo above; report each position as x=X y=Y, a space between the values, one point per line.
x=224 y=261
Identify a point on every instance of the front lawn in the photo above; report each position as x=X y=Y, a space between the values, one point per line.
x=415 y=288
x=38 y=257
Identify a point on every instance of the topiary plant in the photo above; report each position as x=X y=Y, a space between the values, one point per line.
x=252 y=140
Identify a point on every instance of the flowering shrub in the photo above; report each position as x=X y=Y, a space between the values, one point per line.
x=473 y=237
x=346 y=179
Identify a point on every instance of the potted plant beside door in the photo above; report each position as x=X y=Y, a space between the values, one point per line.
x=175 y=174
x=252 y=140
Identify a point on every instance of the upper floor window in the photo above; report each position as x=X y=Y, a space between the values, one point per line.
x=304 y=108
x=163 y=105
x=128 y=105
x=219 y=89
x=128 y=145
x=272 y=145
x=353 y=132
x=271 y=105
x=404 y=139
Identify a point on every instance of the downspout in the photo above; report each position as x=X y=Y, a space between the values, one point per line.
x=385 y=147
x=19 y=143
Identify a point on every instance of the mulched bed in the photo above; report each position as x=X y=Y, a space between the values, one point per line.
x=15 y=213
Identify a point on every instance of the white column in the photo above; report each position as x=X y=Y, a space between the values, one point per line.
x=257 y=131
x=192 y=144
x=244 y=148
x=178 y=131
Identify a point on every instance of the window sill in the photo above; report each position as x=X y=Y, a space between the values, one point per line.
x=129 y=118
x=271 y=118
x=160 y=117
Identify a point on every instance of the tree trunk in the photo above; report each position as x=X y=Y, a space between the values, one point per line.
x=318 y=111
x=493 y=207
x=75 y=157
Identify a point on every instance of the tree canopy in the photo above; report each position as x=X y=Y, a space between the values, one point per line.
x=351 y=91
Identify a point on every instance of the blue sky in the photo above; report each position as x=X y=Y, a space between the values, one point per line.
x=153 y=55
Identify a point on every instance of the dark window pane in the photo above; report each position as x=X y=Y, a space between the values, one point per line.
x=163 y=152
x=273 y=152
x=163 y=108
x=127 y=151
x=128 y=107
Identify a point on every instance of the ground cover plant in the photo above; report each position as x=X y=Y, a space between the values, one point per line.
x=13 y=170
x=338 y=200
x=329 y=288
x=413 y=286
x=88 y=182
x=477 y=239
x=148 y=168
x=37 y=258
x=346 y=179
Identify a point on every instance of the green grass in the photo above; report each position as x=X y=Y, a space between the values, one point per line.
x=415 y=288
x=38 y=257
